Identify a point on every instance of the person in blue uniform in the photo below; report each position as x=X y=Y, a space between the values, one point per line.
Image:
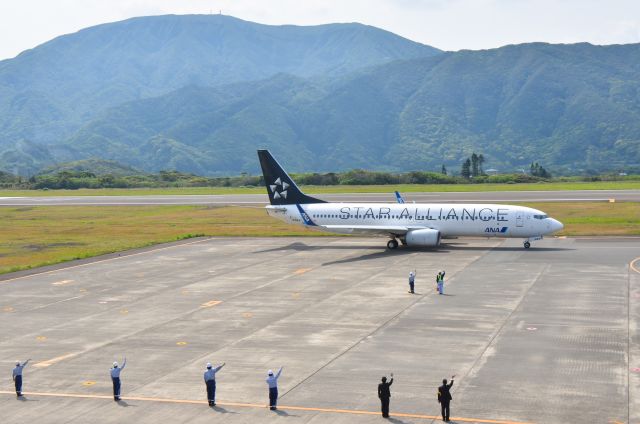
x=210 y=381
x=412 y=279
x=17 y=376
x=115 y=378
x=272 y=382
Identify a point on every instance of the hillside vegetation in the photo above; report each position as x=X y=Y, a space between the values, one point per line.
x=199 y=94
x=48 y=92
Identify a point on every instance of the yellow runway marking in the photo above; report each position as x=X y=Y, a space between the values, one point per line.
x=52 y=361
x=295 y=295
x=88 y=383
x=181 y=343
x=247 y=314
x=7 y=309
x=302 y=270
x=124 y=311
x=62 y=283
x=211 y=303
x=257 y=405
x=633 y=265
x=41 y=338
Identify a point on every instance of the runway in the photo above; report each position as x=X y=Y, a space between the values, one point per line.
x=261 y=199
x=545 y=335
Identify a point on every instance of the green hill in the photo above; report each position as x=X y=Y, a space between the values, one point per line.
x=48 y=92
x=201 y=93
x=570 y=107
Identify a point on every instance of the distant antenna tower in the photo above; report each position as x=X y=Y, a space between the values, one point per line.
x=220 y=12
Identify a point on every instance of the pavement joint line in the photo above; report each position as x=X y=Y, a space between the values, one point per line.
x=193 y=311
x=357 y=342
x=57 y=302
x=101 y=261
x=427 y=293
x=500 y=328
x=257 y=405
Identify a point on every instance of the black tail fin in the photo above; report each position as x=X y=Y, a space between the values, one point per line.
x=280 y=187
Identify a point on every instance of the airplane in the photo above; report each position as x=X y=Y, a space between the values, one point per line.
x=416 y=224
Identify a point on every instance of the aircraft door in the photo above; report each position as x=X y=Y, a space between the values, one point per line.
x=519 y=219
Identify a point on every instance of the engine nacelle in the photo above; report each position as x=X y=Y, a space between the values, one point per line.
x=424 y=237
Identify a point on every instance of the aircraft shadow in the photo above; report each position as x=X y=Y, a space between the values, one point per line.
x=402 y=250
x=298 y=246
x=460 y=246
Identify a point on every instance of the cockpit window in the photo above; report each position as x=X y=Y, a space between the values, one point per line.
x=540 y=216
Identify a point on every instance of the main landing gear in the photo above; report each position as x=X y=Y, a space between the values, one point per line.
x=527 y=245
x=392 y=244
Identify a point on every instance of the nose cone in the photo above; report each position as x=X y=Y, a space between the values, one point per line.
x=556 y=225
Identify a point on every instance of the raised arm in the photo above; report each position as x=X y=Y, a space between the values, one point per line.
x=219 y=367
x=26 y=362
x=279 y=372
x=124 y=363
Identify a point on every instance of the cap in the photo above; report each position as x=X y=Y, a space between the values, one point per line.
x=17 y=363
x=208 y=365
x=270 y=372
x=115 y=364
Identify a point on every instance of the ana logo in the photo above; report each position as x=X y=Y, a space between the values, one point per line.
x=496 y=229
x=283 y=189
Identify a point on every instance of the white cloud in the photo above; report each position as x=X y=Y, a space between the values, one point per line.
x=447 y=24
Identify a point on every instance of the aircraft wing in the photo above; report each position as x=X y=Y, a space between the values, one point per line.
x=385 y=230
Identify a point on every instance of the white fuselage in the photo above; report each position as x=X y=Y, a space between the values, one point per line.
x=449 y=219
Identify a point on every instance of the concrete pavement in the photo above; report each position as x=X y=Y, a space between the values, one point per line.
x=545 y=335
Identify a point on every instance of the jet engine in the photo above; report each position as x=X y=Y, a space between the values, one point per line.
x=424 y=237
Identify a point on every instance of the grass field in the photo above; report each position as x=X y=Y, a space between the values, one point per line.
x=404 y=188
x=36 y=236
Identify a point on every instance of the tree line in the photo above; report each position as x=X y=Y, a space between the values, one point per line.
x=83 y=179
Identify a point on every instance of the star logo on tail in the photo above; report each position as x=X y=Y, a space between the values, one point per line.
x=282 y=192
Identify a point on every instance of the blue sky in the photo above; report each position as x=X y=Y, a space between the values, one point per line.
x=446 y=24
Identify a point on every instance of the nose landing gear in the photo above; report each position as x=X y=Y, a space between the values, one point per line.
x=527 y=242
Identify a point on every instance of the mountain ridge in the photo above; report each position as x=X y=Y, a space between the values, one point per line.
x=49 y=91
x=569 y=106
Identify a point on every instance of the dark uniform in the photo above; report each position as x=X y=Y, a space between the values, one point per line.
x=444 y=397
x=384 y=393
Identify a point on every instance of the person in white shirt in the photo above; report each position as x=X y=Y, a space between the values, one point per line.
x=17 y=376
x=210 y=381
x=115 y=378
x=272 y=381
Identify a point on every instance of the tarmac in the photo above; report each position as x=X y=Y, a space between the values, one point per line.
x=544 y=335
x=261 y=199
